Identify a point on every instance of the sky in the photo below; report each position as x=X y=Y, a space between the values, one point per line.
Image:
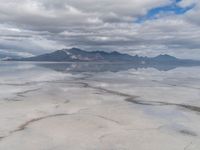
x=142 y=27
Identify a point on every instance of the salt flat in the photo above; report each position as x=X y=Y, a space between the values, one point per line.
x=45 y=106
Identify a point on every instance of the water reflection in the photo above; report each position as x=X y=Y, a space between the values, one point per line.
x=101 y=67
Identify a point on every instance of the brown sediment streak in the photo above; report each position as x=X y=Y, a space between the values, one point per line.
x=23 y=126
x=187 y=132
x=134 y=99
x=86 y=85
x=21 y=94
x=187 y=146
x=158 y=103
x=32 y=83
x=108 y=119
x=175 y=85
x=12 y=99
x=26 y=124
x=142 y=129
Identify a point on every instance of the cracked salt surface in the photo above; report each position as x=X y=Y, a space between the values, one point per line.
x=46 y=108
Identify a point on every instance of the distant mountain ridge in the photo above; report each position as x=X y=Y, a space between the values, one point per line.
x=78 y=55
x=7 y=56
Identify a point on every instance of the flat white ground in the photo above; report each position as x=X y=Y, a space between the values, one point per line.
x=53 y=109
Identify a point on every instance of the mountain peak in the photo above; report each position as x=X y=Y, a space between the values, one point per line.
x=115 y=52
x=72 y=50
x=165 y=57
x=75 y=49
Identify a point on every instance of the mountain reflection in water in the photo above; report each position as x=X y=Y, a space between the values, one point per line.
x=101 y=67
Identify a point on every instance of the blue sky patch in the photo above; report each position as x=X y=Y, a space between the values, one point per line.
x=173 y=8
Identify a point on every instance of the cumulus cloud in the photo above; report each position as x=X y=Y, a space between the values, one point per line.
x=39 y=26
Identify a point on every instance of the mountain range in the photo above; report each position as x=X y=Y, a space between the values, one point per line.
x=78 y=55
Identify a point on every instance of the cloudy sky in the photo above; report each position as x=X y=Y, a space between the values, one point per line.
x=143 y=27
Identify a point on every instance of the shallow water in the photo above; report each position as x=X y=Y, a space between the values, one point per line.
x=98 y=106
